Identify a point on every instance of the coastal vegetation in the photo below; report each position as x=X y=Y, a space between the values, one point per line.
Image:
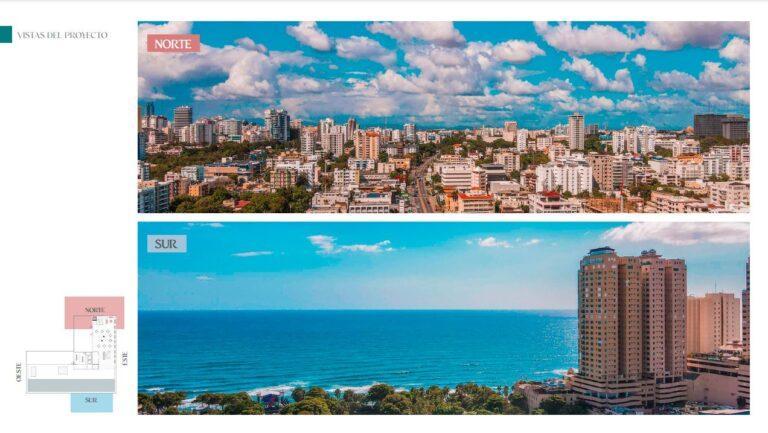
x=379 y=399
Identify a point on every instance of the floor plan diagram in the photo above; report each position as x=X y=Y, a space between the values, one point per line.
x=87 y=368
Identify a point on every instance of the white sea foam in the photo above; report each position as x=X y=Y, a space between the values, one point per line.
x=277 y=389
x=288 y=388
x=358 y=389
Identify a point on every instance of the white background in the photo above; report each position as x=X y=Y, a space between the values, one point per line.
x=68 y=146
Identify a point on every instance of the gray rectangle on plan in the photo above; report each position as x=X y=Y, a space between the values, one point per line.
x=71 y=385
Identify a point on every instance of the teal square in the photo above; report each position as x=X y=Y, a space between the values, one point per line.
x=6 y=34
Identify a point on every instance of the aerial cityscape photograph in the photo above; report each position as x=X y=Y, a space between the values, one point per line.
x=404 y=318
x=445 y=117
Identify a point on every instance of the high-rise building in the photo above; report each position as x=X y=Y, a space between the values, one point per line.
x=308 y=140
x=602 y=170
x=735 y=127
x=409 y=132
x=744 y=375
x=231 y=127
x=367 y=144
x=631 y=313
x=521 y=140
x=333 y=142
x=149 y=109
x=730 y=126
x=572 y=174
x=325 y=125
x=576 y=131
x=201 y=132
x=713 y=321
x=143 y=170
x=707 y=125
x=278 y=124
x=351 y=128
x=745 y=317
x=142 y=145
x=182 y=116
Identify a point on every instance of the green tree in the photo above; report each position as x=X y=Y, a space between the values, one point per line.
x=167 y=400
x=448 y=409
x=495 y=404
x=395 y=404
x=533 y=158
x=518 y=400
x=316 y=392
x=554 y=405
x=146 y=405
x=377 y=392
x=307 y=406
x=298 y=394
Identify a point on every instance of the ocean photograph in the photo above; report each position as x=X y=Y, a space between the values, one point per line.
x=441 y=318
x=263 y=352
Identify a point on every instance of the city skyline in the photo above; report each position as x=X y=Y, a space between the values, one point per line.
x=362 y=265
x=454 y=74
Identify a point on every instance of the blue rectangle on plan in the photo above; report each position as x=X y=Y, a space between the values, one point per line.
x=91 y=403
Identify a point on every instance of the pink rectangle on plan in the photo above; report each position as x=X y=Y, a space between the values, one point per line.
x=80 y=310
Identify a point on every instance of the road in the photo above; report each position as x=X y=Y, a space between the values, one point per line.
x=423 y=204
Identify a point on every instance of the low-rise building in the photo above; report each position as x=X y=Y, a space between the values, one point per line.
x=670 y=203
x=371 y=202
x=475 y=202
x=552 y=202
x=537 y=392
x=714 y=379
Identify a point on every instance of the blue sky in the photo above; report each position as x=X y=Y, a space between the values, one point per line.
x=414 y=265
x=454 y=74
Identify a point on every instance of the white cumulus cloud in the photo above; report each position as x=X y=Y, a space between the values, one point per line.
x=680 y=233
x=492 y=242
x=622 y=81
x=253 y=254
x=656 y=35
x=327 y=245
x=737 y=50
x=307 y=33
x=517 y=51
x=639 y=60
x=361 y=47
x=438 y=32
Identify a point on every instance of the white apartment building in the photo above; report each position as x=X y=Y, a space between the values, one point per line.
x=737 y=170
x=687 y=146
x=479 y=179
x=333 y=143
x=552 y=202
x=522 y=139
x=308 y=141
x=733 y=196
x=714 y=165
x=543 y=142
x=458 y=176
x=346 y=180
x=361 y=164
x=571 y=174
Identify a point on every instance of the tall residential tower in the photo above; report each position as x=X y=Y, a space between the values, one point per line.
x=576 y=131
x=631 y=330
